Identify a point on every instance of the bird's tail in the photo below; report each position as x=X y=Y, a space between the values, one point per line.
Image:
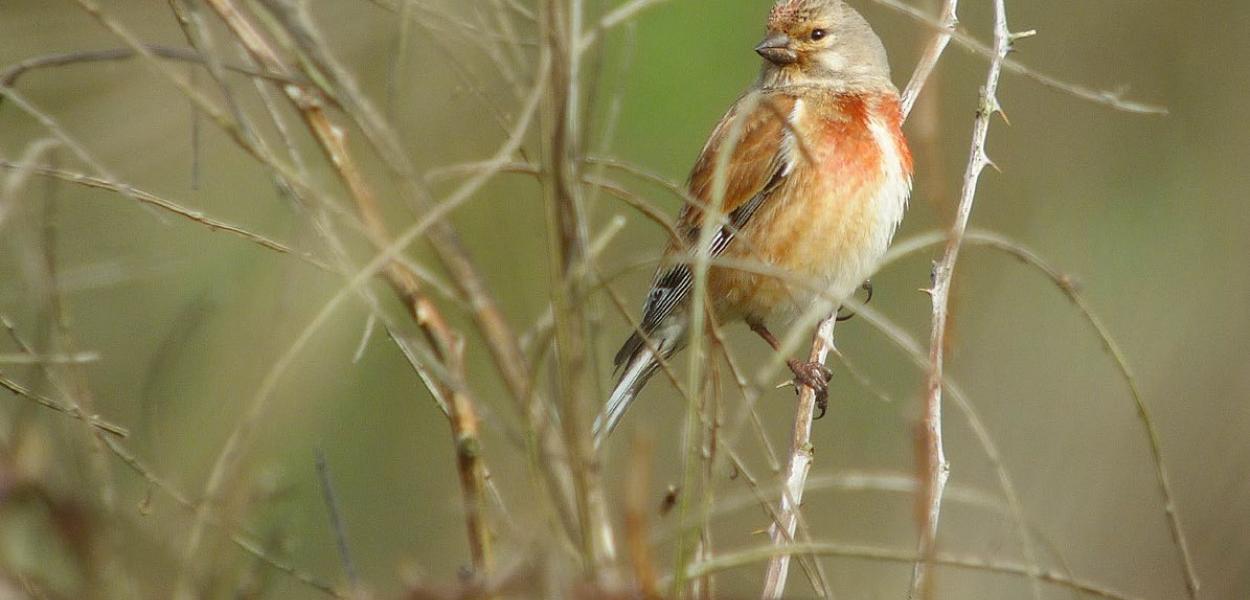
x=638 y=361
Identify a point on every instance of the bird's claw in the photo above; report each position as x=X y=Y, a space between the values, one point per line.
x=867 y=287
x=815 y=376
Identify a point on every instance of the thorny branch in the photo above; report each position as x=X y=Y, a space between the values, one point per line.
x=755 y=555
x=938 y=468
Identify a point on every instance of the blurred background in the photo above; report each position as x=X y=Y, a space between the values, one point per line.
x=1147 y=213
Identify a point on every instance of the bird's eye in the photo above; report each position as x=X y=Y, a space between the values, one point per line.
x=819 y=34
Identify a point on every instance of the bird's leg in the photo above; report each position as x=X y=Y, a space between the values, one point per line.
x=811 y=374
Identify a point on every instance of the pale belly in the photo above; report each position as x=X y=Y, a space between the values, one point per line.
x=823 y=232
x=795 y=256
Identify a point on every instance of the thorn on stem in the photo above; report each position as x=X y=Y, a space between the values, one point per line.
x=991 y=163
x=998 y=108
x=1019 y=35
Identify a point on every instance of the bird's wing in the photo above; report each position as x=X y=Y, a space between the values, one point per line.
x=754 y=143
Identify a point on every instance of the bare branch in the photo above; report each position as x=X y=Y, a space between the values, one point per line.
x=1066 y=285
x=10 y=75
x=150 y=199
x=238 y=538
x=618 y=16
x=560 y=27
x=1108 y=98
x=947 y=22
x=763 y=553
x=70 y=410
x=796 y=471
x=938 y=468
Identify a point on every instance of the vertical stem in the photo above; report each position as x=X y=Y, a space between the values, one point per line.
x=943 y=273
x=949 y=19
x=637 y=507
x=782 y=530
x=464 y=421
x=567 y=250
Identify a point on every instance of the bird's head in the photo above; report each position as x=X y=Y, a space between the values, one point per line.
x=821 y=42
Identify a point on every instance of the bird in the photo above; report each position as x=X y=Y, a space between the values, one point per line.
x=814 y=178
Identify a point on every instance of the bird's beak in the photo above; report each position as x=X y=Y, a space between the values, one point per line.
x=776 y=49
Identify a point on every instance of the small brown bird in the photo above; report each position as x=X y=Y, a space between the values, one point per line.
x=816 y=179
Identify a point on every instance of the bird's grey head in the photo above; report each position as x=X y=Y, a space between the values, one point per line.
x=822 y=42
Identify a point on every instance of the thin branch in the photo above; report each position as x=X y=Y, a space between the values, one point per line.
x=54 y=127
x=900 y=483
x=199 y=100
x=1192 y=584
x=947 y=22
x=938 y=468
x=637 y=492
x=699 y=321
x=34 y=153
x=336 y=519
x=883 y=482
x=10 y=75
x=489 y=319
x=76 y=358
x=810 y=565
x=796 y=471
x=150 y=199
x=1067 y=286
x=1108 y=98
x=635 y=201
x=726 y=562
x=71 y=410
x=980 y=431
x=621 y=14
x=560 y=29
x=238 y=131
x=242 y=540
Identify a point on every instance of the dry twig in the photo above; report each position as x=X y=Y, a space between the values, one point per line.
x=760 y=554
x=938 y=468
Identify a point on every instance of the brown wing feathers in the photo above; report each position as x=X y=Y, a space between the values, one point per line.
x=756 y=167
x=752 y=161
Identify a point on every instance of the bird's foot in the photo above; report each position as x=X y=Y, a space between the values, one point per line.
x=816 y=376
